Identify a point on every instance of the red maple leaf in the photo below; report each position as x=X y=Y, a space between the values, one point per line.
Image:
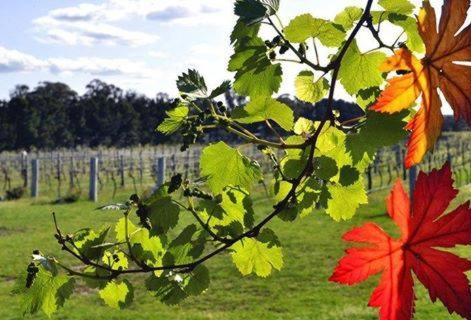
x=424 y=227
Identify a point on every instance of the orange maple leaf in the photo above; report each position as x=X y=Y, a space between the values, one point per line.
x=437 y=70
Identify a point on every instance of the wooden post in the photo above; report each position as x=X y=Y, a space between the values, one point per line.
x=370 y=179
x=24 y=168
x=412 y=178
x=59 y=175
x=93 y=192
x=160 y=171
x=34 y=178
x=72 y=172
x=121 y=169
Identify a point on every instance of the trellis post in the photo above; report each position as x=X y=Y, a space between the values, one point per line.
x=93 y=192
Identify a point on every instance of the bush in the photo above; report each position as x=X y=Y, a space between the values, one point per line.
x=15 y=193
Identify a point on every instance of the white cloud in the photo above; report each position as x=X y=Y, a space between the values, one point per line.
x=82 y=32
x=89 y=24
x=158 y=54
x=16 y=61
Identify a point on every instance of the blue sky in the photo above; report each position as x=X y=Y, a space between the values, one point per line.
x=140 y=45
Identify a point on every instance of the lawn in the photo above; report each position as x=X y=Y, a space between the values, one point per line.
x=312 y=247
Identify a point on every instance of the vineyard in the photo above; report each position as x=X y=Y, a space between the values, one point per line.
x=328 y=204
x=65 y=174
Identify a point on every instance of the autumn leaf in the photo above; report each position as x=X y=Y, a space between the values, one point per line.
x=437 y=70
x=423 y=227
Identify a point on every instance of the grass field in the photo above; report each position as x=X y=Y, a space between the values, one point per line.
x=312 y=246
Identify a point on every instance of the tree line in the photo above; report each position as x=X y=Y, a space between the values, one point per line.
x=52 y=115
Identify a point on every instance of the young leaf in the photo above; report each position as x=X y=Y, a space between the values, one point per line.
x=379 y=131
x=174 y=119
x=306 y=26
x=88 y=242
x=424 y=228
x=243 y=31
x=234 y=206
x=223 y=88
x=47 y=293
x=172 y=288
x=163 y=213
x=309 y=90
x=360 y=70
x=116 y=260
x=192 y=84
x=438 y=70
x=224 y=165
x=117 y=295
x=186 y=247
x=253 y=11
x=397 y=6
x=258 y=255
x=348 y=17
x=265 y=108
x=409 y=25
x=344 y=201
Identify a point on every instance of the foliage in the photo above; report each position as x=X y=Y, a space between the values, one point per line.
x=15 y=193
x=317 y=161
x=437 y=70
x=423 y=228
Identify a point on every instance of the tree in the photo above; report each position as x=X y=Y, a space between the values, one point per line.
x=316 y=161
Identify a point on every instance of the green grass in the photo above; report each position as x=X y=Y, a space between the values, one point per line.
x=312 y=247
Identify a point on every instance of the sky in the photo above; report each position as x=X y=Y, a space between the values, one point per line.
x=139 y=45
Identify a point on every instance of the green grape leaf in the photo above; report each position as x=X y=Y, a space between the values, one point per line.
x=259 y=82
x=243 y=31
x=365 y=97
x=95 y=283
x=294 y=161
x=147 y=247
x=309 y=90
x=344 y=200
x=88 y=242
x=198 y=281
x=255 y=74
x=307 y=194
x=167 y=288
x=348 y=175
x=253 y=11
x=265 y=108
x=172 y=288
x=174 y=119
x=224 y=165
x=144 y=246
x=120 y=229
x=116 y=260
x=223 y=88
x=117 y=294
x=327 y=168
x=192 y=84
x=397 y=6
x=306 y=26
x=234 y=205
x=47 y=293
x=258 y=255
x=304 y=127
x=163 y=213
x=409 y=25
x=380 y=130
x=348 y=17
x=186 y=247
x=360 y=70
